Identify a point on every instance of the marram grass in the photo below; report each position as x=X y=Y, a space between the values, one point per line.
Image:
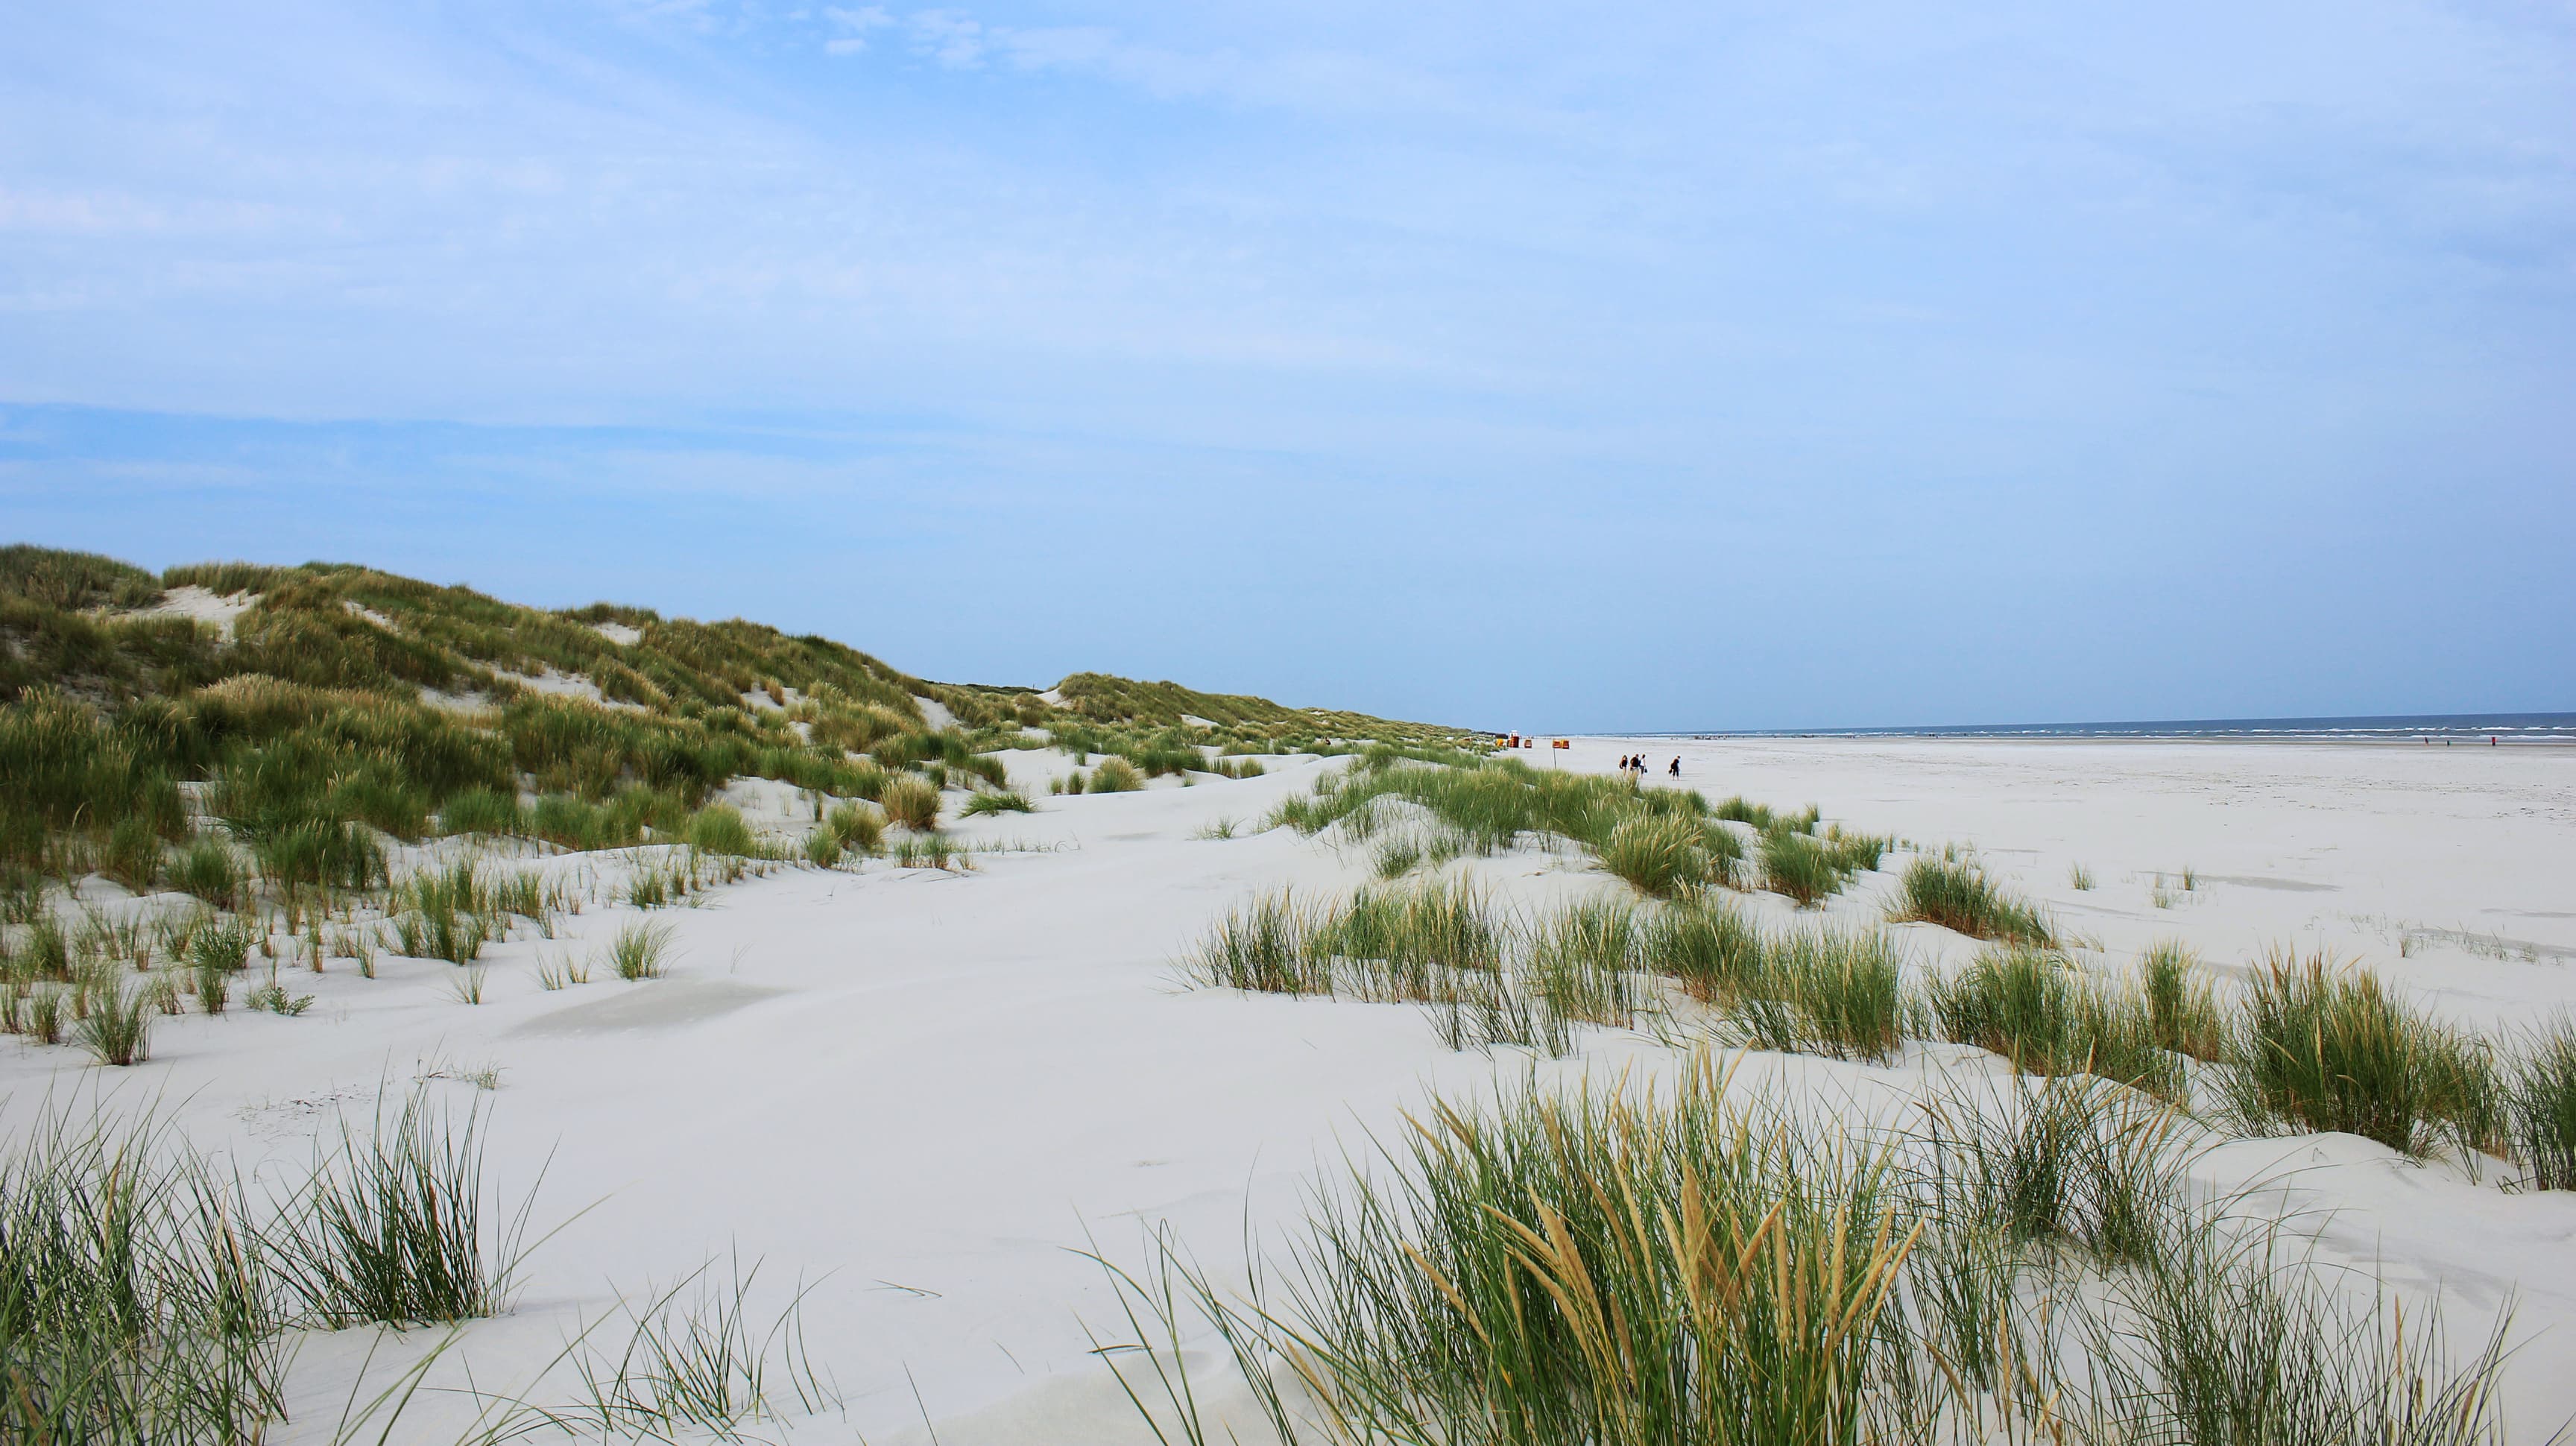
x=1816 y=991
x=1844 y=992
x=1263 y=947
x=1607 y=1267
x=1798 y=867
x=2540 y=1103
x=2049 y=1017
x=2319 y=1047
x=2072 y=1160
x=1493 y=977
x=2181 y=1004
x=393 y=1225
x=697 y=1364
x=857 y=827
x=1715 y=952
x=1667 y=843
x=1487 y=977
x=641 y=951
x=133 y=1306
x=1961 y=897
x=118 y=1027
x=996 y=800
x=1660 y=855
x=1604 y=1263
x=1115 y=775
x=720 y=829
x=1584 y=962
x=911 y=802
x=146 y=1295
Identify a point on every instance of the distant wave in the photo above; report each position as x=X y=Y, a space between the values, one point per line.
x=2508 y=727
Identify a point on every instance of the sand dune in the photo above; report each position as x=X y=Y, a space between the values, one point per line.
x=925 y=1092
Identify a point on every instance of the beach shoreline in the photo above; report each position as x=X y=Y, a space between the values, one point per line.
x=2213 y=740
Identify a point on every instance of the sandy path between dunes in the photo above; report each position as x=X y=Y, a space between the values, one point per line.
x=929 y=1089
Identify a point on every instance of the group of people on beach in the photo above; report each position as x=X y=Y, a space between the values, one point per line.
x=1636 y=763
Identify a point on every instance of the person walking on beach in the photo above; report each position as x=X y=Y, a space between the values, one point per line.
x=1677 y=767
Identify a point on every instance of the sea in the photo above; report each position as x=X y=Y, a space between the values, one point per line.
x=2391 y=728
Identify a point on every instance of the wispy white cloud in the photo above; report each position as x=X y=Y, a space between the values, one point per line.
x=850 y=26
x=116 y=213
x=1293 y=75
x=952 y=38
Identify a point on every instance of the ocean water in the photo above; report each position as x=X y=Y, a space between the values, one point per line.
x=2397 y=728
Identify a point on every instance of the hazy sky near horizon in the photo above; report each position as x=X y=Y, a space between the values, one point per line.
x=1545 y=366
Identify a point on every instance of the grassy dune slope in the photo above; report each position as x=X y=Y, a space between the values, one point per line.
x=1100 y=698
x=310 y=701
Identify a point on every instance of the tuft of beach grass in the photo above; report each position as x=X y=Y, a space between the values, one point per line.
x=1962 y=897
x=2040 y=1011
x=2540 y=1102
x=641 y=951
x=911 y=802
x=2324 y=1046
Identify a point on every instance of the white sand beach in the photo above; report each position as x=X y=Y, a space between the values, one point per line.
x=925 y=1093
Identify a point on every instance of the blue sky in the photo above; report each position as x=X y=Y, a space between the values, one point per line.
x=1526 y=366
